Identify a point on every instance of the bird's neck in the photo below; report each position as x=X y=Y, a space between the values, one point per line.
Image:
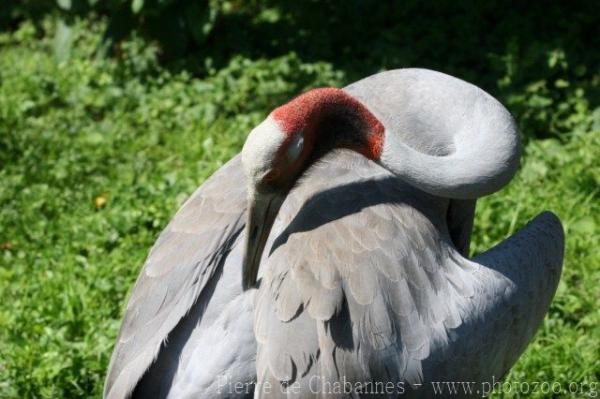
x=331 y=118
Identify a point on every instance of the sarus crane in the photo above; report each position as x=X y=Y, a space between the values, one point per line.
x=331 y=257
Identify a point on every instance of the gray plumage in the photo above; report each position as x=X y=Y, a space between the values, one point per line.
x=364 y=278
x=365 y=283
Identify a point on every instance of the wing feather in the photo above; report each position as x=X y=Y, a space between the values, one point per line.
x=184 y=258
x=375 y=289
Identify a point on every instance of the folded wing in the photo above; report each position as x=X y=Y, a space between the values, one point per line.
x=183 y=260
x=363 y=283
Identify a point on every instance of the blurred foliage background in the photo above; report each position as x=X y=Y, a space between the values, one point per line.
x=113 y=112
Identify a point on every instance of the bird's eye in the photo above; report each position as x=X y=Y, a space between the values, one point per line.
x=272 y=176
x=295 y=146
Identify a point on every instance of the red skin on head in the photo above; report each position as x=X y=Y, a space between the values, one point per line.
x=302 y=113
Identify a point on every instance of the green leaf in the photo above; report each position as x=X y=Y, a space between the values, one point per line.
x=137 y=5
x=584 y=226
x=63 y=39
x=64 y=4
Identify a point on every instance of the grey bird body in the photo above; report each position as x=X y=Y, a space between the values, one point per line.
x=365 y=284
x=364 y=279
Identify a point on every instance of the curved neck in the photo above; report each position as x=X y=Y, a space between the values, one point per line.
x=484 y=158
x=330 y=118
x=480 y=136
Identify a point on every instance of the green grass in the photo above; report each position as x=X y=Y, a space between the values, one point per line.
x=97 y=154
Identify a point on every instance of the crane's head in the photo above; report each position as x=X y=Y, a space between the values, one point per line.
x=279 y=149
x=272 y=159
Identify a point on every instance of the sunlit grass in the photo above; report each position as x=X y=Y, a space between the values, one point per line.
x=96 y=155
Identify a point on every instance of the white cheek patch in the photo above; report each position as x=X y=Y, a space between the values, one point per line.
x=261 y=148
x=295 y=147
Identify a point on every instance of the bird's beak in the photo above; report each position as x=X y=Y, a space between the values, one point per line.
x=262 y=211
